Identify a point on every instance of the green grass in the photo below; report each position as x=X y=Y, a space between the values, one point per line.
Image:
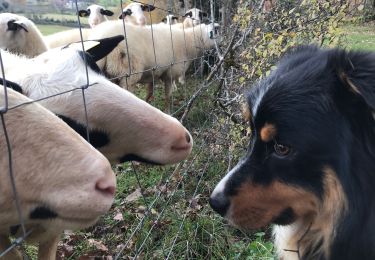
x=50 y=29
x=359 y=37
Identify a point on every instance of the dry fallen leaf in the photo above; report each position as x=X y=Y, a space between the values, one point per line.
x=118 y=216
x=134 y=196
x=98 y=245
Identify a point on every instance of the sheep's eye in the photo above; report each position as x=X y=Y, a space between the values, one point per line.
x=281 y=150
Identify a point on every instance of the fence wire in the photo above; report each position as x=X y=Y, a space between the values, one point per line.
x=128 y=248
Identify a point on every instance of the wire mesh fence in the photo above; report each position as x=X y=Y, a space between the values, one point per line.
x=149 y=212
x=163 y=212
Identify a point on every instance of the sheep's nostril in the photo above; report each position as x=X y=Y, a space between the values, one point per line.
x=187 y=135
x=105 y=187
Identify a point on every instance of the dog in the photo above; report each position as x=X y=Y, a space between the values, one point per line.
x=310 y=164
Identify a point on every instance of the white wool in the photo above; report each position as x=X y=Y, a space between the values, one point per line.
x=61 y=39
x=186 y=45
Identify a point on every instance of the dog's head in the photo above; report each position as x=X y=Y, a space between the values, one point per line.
x=313 y=136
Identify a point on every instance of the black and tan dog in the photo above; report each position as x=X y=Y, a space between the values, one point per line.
x=310 y=165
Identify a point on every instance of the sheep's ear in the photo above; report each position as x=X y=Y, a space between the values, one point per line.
x=84 y=13
x=190 y=14
x=147 y=8
x=12 y=85
x=164 y=20
x=356 y=70
x=14 y=25
x=106 y=12
x=104 y=47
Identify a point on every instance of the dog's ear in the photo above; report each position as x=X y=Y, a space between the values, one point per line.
x=356 y=70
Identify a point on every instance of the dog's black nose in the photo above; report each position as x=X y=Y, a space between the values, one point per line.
x=219 y=203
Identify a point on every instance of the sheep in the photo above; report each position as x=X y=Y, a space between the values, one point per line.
x=96 y=13
x=134 y=13
x=63 y=38
x=61 y=181
x=121 y=126
x=170 y=19
x=193 y=17
x=20 y=35
x=141 y=53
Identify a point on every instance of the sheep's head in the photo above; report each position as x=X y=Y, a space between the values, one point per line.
x=120 y=125
x=194 y=17
x=170 y=19
x=134 y=13
x=61 y=181
x=13 y=30
x=96 y=14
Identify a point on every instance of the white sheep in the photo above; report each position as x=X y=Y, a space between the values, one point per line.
x=63 y=38
x=193 y=17
x=61 y=181
x=187 y=45
x=121 y=126
x=134 y=13
x=20 y=35
x=96 y=13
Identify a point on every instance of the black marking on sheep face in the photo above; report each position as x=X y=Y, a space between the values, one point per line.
x=42 y=212
x=188 y=14
x=125 y=13
x=98 y=138
x=12 y=85
x=133 y=157
x=106 y=12
x=147 y=8
x=14 y=25
x=84 y=13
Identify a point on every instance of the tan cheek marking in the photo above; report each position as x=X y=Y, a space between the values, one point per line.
x=256 y=206
x=268 y=132
x=323 y=225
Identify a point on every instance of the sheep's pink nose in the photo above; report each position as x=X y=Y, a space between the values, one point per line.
x=185 y=142
x=106 y=186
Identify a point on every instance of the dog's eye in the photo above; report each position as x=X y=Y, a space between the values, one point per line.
x=281 y=150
